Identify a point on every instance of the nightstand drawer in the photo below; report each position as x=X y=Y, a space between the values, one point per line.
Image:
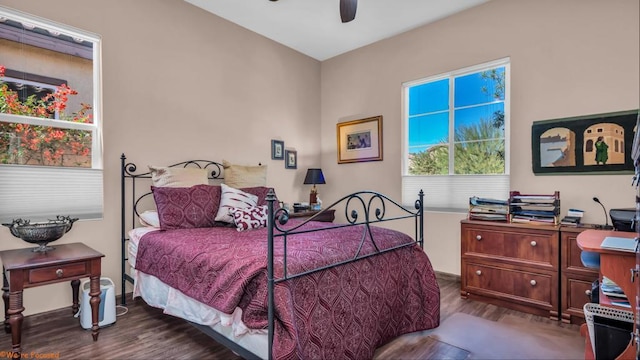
x=57 y=272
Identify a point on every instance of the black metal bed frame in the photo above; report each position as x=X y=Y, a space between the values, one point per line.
x=372 y=204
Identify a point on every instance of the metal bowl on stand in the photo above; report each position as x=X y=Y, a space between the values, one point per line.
x=41 y=233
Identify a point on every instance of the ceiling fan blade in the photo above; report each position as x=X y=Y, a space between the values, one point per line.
x=348 y=10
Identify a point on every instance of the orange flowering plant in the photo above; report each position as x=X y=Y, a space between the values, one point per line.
x=27 y=144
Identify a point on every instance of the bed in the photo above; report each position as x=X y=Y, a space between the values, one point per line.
x=275 y=287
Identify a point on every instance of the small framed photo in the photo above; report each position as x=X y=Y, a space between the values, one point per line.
x=277 y=150
x=360 y=140
x=290 y=159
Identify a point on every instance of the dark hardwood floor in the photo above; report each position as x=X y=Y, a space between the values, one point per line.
x=145 y=333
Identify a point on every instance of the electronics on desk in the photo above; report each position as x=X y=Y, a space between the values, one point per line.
x=300 y=207
x=623 y=219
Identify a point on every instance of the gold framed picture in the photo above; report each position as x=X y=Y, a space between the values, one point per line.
x=360 y=140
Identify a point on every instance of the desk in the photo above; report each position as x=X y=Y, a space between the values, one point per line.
x=615 y=265
x=23 y=268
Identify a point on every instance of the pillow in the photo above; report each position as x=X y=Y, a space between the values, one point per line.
x=186 y=208
x=261 y=193
x=150 y=218
x=238 y=176
x=233 y=198
x=250 y=218
x=178 y=177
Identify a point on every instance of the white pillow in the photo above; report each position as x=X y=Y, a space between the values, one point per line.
x=150 y=218
x=231 y=198
x=178 y=177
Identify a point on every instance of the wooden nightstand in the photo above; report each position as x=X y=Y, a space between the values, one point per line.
x=23 y=268
x=323 y=215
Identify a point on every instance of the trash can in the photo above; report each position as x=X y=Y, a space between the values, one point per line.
x=107 y=311
x=610 y=330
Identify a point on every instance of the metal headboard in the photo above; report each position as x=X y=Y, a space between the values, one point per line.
x=129 y=175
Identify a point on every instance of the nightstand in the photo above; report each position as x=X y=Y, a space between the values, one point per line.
x=324 y=215
x=23 y=268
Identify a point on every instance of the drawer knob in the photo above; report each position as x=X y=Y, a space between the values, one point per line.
x=478 y=272
x=59 y=273
x=588 y=292
x=478 y=237
x=533 y=282
x=533 y=243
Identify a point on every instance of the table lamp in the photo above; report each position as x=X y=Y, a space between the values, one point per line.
x=314 y=176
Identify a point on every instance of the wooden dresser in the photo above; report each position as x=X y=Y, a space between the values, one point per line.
x=512 y=265
x=575 y=279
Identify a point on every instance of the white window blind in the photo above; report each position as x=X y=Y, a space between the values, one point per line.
x=41 y=192
x=452 y=192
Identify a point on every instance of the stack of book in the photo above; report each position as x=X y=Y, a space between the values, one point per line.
x=534 y=209
x=488 y=209
x=614 y=293
x=573 y=218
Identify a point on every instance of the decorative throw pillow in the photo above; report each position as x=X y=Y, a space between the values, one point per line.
x=250 y=218
x=150 y=218
x=261 y=193
x=178 y=177
x=185 y=208
x=238 y=176
x=233 y=198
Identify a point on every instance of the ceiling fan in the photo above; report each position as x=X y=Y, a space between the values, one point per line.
x=347 y=10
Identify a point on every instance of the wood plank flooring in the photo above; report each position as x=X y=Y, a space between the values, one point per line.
x=145 y=333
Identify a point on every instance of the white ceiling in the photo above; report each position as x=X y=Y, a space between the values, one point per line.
x=313 y=27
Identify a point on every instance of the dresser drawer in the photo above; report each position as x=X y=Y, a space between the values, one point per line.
x=506 y=283
x=578 y=295
x=538 y=247
x=57 y=272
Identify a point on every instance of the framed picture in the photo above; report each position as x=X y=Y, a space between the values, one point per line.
x=360 y=140
x=592 y=144
x=277 y=150
x=290 y=159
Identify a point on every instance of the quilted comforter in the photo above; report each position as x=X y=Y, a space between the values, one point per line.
x=344 y=312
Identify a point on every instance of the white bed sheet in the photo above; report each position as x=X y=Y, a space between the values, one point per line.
x=173 y=302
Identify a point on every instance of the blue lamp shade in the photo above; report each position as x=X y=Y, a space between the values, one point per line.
x=314 y=176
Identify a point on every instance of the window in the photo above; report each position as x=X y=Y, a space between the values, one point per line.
x=50 y=119
x=456 y=136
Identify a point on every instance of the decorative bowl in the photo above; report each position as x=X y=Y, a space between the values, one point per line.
x=41 y=233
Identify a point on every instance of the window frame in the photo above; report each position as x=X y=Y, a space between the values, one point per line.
x=497 y=185
x=40 y=192
x=96 y=126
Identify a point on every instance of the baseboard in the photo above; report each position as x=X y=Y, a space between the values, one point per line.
x=447 y=276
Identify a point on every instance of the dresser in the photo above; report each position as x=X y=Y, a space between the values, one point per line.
x=575 y=279
x=512 y=265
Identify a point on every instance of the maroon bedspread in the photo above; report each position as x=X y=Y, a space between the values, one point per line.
x=344 y=312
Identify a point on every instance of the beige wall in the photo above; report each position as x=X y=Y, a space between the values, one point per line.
x=180 y=83
x=568 y=58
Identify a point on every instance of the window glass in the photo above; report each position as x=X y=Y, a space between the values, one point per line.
x=429 y=97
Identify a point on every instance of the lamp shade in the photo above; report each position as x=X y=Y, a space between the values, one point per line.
x=314 y=176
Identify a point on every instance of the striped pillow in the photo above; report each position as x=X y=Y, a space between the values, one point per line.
x=231 y=198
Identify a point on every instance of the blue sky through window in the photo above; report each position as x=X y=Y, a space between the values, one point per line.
x=473 y=100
